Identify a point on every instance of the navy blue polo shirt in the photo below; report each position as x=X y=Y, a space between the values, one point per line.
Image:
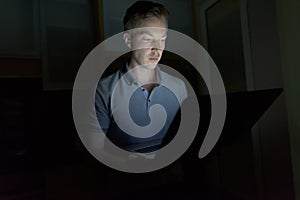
x=169 y=92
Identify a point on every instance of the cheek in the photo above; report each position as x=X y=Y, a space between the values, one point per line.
x=144 y=52
x=138 y=45
x=141 y=53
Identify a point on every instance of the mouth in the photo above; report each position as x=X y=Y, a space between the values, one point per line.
x=154 y=59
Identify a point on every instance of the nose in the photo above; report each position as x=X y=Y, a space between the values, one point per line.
x=157 y=45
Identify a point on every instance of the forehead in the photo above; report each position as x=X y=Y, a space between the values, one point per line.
x=152 y=26
x=150 y=31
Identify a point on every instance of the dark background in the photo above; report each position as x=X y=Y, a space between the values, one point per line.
x=255 y=45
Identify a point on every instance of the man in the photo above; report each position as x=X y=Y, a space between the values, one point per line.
x=142 y=83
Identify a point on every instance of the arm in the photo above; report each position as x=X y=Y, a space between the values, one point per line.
x=102 y=108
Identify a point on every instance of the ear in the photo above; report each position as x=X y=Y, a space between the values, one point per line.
x=127 y=39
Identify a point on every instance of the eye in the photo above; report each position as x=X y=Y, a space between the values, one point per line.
x=146 y=39
x=163 y=39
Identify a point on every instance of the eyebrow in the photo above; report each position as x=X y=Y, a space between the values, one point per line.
x=145 y=32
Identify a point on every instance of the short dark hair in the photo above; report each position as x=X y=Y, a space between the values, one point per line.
x=142 y=10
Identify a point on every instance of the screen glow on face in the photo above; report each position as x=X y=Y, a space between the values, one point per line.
x=149 y=43
x=149 y=47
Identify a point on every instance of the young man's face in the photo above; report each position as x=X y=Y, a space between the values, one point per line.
x=149 y=43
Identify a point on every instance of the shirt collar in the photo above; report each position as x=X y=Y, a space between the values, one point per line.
x=130 y=79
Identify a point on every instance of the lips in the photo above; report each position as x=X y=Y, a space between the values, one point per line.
x=153 y=58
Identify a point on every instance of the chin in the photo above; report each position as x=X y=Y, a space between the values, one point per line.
x=151 y=66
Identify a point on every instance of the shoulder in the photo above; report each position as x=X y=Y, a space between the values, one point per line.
x=106 y=84
x=172 y=82
x=170 y=79
x=175 y=84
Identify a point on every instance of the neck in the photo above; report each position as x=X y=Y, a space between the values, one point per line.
x=143 y=75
